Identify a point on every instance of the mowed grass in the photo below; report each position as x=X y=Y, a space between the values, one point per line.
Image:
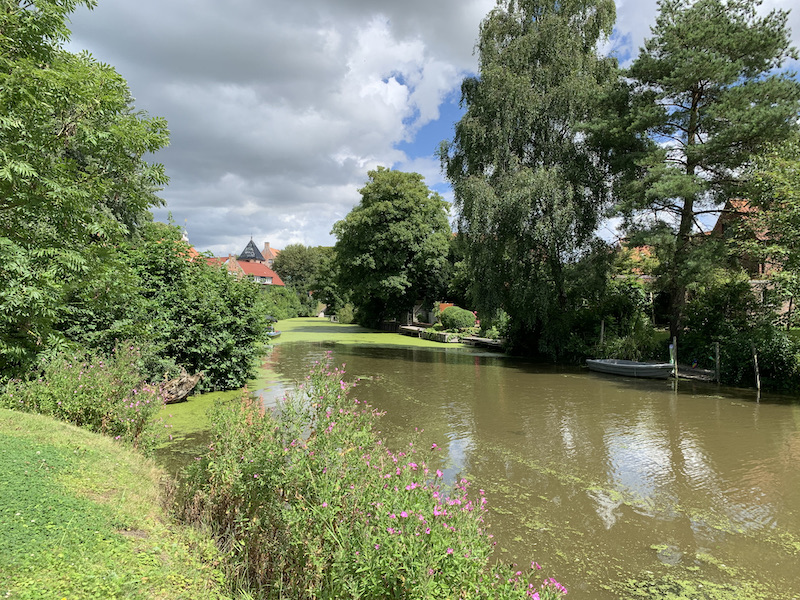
x=83 y=517
x=314 y=329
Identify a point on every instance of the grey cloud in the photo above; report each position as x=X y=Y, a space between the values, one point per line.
x=277 y=109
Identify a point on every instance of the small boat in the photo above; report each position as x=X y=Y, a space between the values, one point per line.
x=274 y=334
x=630 y=368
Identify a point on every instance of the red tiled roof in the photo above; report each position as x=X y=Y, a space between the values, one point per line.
x=259 y=270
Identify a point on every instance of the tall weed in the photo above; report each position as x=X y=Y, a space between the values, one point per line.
x=105 y=395
x=310 y=504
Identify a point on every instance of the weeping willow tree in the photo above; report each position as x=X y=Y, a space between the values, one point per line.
x=529 y=189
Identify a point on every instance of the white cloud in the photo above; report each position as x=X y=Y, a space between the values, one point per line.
x=278 y=109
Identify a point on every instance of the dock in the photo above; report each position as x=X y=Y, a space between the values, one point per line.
x=411 y=330
x=482 y=342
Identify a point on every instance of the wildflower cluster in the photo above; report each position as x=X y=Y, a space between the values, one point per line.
x=307 y=499
x=106 y=395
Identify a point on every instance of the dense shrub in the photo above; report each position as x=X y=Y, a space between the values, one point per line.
x=346 y=313
x=778 y=356
x=105 y=395
x=457 y=318
x=497 y=326
x=729 y=311
x=280 y=302
x=619 y=315
x=311 y=505
x=181 y=311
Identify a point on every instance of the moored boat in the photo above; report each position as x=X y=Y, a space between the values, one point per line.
x=630 y=368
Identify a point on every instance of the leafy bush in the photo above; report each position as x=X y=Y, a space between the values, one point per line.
x=729 y=311
x=196 y=316
x=311 y=505
x=621 y=310
x=346 y=313
x=778 y=357
x=106 y=396
x=280 y=302
x=497 y=326
x=457 y=318
x=181 y=312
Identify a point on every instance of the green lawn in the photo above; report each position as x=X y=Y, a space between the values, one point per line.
x=82 y=517
x=313 y=329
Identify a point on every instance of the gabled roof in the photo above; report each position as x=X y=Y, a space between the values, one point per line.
x=738 y=211
x=251 y=252
x=260 y=270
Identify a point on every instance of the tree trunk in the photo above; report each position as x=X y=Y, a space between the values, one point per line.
x=178 y=389
x=677 y=287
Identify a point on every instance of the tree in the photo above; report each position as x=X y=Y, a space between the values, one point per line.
x=704 y=97
x=195 y=315
x=774 y=190
x=392 y=248
x=325 y=286
x=528 y=187
x=73 y=182
x=299 y=268
x=297 y=265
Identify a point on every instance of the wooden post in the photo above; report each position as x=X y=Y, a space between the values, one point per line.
x=716 y=362
x=602 y=332
x=652 y=310
x=675 y=357
x=755 y=366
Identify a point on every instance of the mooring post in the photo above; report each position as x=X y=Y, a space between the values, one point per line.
x=675 y=356
x=755 y=366
x=716 y=362
x=602 y=332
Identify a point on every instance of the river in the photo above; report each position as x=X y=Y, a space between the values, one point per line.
x=620 y=488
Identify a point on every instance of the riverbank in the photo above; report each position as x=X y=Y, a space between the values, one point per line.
x=314 y=329
x=187 y=422
x=83 y=517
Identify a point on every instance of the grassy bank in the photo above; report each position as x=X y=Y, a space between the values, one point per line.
x=312 y=329
x=81 y=517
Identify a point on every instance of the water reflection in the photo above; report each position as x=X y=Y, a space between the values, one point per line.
x=604 y=479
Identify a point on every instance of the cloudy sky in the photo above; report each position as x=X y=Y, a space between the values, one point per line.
x=278 y=108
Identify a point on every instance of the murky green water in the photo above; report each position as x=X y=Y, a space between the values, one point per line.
x=621 y=488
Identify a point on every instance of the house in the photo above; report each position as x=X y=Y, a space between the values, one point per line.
x=737 y=217
x=269 y=254
x=252 y=263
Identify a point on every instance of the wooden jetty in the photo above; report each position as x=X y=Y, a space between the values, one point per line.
x=482 y=342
